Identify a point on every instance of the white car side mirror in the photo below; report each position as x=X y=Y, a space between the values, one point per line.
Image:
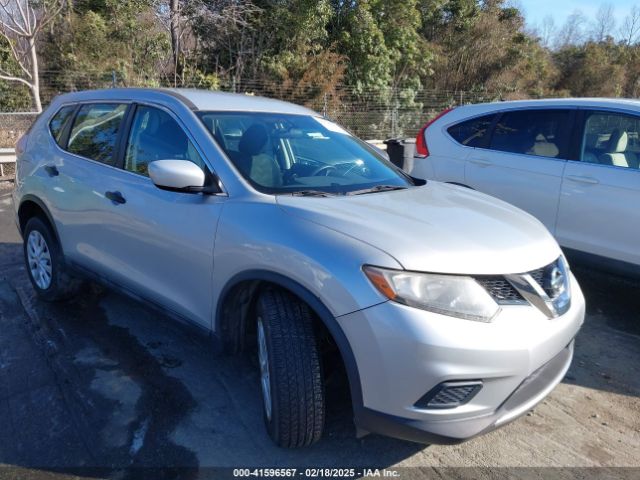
x=178 y=175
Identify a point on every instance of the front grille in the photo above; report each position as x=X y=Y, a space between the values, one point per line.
x=546 y=288
x=500 y=290
x=504 y=293
x=542 y=276
x=450 y=394
x=538 y=276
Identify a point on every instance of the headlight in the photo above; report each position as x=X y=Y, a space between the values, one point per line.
x=454 y=295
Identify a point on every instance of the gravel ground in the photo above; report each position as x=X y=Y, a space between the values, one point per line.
x=105 y=382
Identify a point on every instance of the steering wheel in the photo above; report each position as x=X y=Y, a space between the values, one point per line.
x=324 y=170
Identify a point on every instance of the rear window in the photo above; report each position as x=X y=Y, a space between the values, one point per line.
x=59 y=120
x=543 y=133
x=472 y=133
x=95 y=131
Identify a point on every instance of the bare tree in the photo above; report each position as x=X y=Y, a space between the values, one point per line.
x=604 y=23
x=21 y=22
x=631 y=26
x=547 y=31
x=231 y=37
x=572 y=32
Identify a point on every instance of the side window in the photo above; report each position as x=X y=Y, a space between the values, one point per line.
x=155 y=135
x=59 y=120
x=472 y=133
x=95 y=131
x=611 y=139
x=543 y=133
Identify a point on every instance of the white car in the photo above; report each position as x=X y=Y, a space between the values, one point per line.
x=572 y=163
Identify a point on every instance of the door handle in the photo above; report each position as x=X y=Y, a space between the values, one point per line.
x=52 y=170
x=481 y=162
x=115 y=197
x=580 y=179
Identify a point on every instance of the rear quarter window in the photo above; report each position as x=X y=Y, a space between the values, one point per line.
x=95 y=131
x=58 y=122
x=472 y=133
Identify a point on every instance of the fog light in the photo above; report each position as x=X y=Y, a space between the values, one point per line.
x=450 y=394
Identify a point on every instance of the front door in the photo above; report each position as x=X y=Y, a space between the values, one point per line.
x=600 y=202
x=161 y=242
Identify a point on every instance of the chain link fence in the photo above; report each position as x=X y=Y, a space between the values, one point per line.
x=370 y=114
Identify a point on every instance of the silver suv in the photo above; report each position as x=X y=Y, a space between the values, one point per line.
x=268 y=225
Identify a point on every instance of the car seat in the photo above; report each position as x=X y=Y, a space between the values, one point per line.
x=260 y=166
x=543 y=148
x=158 y=141
x=616 y=153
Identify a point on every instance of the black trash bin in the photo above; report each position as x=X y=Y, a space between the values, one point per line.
x=400 y=151
x=395 y=150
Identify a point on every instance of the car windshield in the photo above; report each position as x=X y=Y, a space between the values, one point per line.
x=300 y=154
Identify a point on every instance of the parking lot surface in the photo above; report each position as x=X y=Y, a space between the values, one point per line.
x=103 y=381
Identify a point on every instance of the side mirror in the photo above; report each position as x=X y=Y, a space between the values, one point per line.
x=179 y=176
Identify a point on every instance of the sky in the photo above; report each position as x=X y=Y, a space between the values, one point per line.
x=536 y=10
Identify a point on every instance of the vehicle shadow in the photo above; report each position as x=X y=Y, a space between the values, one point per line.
x=607 y=355
x=614 y=297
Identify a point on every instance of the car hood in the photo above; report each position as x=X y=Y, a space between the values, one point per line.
x=436 y=228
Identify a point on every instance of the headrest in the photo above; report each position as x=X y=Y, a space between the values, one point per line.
x=544 y=148
x=253 y=139
x=618 y=141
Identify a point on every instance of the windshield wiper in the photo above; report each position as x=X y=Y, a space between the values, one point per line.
x=378 y=188
x=311 y=193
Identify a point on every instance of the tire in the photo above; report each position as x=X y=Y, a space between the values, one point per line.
x=51 y=281
x=294 y=416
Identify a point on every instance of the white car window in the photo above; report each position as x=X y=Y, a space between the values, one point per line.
x=472 y=133
x=542 y=133
x=611 y=139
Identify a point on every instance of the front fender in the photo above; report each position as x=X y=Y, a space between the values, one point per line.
x=255 y=236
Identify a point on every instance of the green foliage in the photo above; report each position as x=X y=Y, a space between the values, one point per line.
x=14 y=97
x=98 y=38
x=384 y=47
x=593 y=69
x=298 y=34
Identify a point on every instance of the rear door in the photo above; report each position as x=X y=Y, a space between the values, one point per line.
x=599 y=209
x=87 y=164
x=451 y=147
x=524 y=160
x=159 y=243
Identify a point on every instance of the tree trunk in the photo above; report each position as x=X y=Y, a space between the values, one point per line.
x=175 y=38
x=35 y=75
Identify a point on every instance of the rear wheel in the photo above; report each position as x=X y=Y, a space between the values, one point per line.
x=45 y=263
x=290 y=370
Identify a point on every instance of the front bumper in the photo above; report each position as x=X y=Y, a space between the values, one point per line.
x=402 y=353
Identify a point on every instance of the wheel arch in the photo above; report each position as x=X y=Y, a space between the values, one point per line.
x=250 y=282
x=31 y=206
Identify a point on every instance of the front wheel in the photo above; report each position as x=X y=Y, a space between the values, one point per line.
x=290 y=370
